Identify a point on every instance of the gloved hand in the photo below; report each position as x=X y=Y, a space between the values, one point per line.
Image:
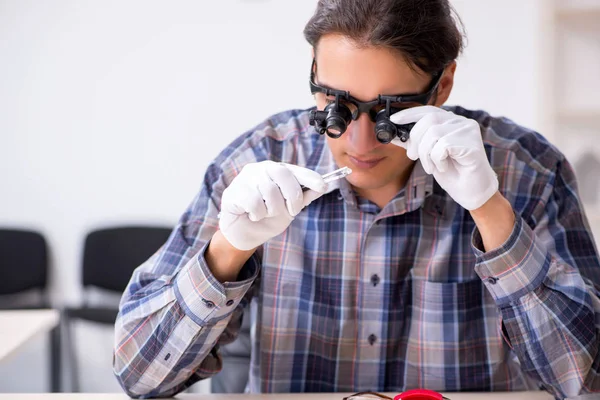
x=263 y=199
x=451 y=148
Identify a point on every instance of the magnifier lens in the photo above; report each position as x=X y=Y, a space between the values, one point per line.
x=335 y=127
x=384 y=136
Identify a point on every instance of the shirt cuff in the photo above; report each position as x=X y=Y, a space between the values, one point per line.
x=206 y=300
x=514 y=269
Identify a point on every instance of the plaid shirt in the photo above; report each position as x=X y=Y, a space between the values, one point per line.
x=352 y=297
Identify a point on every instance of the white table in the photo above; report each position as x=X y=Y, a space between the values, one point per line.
x=310 y=396
x=18 y=327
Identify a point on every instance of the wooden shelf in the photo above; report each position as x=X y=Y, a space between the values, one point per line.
x=578 y=8
x=593 y=213
x=583 y=115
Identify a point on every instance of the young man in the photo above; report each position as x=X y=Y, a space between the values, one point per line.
x=457 y=260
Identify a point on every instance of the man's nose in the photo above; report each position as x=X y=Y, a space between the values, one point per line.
x=361 y=134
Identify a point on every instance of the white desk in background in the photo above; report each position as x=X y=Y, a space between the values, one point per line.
x=18 y=327
x=303 y=396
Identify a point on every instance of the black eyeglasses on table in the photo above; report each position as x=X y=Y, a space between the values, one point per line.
x=414 y=394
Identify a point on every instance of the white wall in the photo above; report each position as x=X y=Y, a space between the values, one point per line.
x=502 y=69
x=111 y=110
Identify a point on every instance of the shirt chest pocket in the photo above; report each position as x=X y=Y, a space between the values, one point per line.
x=454 y=332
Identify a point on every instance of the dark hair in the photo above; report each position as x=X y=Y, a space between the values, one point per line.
x=427 y=33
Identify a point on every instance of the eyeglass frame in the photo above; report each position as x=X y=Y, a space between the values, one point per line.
x=367 y=106
x=413 y=394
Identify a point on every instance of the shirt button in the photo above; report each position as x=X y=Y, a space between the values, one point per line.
x=375 y=279
x=492 y=280
x=372 y=339
x=229 y=302
x=208 y=303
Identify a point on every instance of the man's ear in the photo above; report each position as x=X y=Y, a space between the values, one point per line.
x=445 y=86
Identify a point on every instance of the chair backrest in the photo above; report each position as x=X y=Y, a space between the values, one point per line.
x=110 y=255
x=23 y=261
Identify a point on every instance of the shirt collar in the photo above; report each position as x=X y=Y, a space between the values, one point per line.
x=410 y=198
x=418 y=187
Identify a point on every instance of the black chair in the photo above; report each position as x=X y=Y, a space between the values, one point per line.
x=24 y=271
x=109 y=258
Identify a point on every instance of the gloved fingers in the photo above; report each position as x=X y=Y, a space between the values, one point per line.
x=463 y=144
x=253 y=204
x=310 y=196
x=428 y=134
x=309 y=178
x=414 y=114
x=428 y=141
x=272 y=198
x=425 y=118
x=414 y=140
x=467 y=157
x=268 y=189
x=289 y=187
x=240 y=198
x=439 y=155
x=468 y=143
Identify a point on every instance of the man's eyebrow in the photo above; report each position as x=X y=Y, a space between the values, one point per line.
x=323 y=85
x=364 y=101
x=397 y=94
x=350 y=96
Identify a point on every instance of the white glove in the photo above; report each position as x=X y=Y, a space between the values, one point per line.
x=263 y=199
x=451 y=148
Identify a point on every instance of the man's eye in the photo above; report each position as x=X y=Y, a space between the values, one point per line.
x=342 y=101
x=377 y=108
x=330 y=101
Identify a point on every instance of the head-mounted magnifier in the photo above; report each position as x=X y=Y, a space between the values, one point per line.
x=342 y=108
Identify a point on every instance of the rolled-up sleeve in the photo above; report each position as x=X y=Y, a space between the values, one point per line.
x=206 y=300
x=174 y=313
x=545 y=280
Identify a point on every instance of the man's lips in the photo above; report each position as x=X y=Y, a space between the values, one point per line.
x=365 y=162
